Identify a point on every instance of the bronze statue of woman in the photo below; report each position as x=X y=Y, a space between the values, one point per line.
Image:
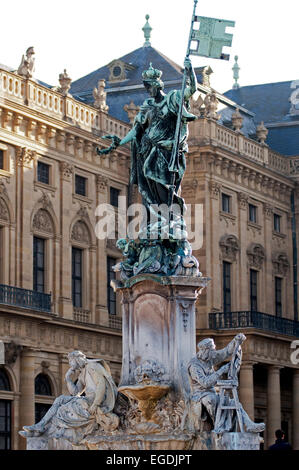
x=152 y=140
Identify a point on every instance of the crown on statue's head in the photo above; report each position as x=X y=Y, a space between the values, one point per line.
x=152 y=76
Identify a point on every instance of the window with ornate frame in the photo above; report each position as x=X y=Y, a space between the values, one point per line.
x=43 y=172
x=226 y=204
x=253 y=290
x=80 y=185
x=226 y=284
x=77 y=277
x=278 y=296
x=39 y=264
x=42 y=386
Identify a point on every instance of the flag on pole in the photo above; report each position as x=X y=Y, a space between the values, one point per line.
x=209 y=37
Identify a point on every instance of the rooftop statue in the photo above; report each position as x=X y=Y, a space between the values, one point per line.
x=158 y=169
x=26 y=67
x=74 y=416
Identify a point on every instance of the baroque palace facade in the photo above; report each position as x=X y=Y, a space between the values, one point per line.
x=55 y=274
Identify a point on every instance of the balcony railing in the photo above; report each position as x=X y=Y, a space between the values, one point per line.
x=81 y=315
x=247 y=319
x=115 y=323
x=25 y=298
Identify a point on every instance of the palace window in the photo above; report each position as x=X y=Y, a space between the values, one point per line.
x=38 y=264
x=276 y=222
x=226 y=203
x=278 y=296
x=226 y=287
x=42 y=387
x=80 y=185
x=114 y=194
x=252 y=213
x=111 y=296
x=253 y=290
x=43 y=173
x=5 y=414
x=77 y=283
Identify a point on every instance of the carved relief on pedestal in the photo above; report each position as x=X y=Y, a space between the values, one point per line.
x=281 y=264
x=256 y=255
x=229 y=247
x=185 y=307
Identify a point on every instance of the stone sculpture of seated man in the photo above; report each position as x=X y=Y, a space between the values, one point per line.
x=75 y=416
x=203 y=379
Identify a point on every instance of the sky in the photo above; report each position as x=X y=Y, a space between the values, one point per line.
x=83 y=36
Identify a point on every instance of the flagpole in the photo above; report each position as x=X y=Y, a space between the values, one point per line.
x=173 y=164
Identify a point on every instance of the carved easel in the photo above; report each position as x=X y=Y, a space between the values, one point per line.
x=230 y=385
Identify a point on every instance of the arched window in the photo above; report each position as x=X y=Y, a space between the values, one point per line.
x=5 y=413
x=4 y=381
x=42 y=385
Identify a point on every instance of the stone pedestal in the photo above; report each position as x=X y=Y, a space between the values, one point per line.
x=159 y=325
x=227 y=441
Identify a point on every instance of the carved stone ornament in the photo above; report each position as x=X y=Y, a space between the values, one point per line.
x=268 y=210
x=99 y=95
x=294 y=167
x=229 y=246
x=83 y=213
x=45 y=201
x=65 y=82
x=42 y=221
x=256 y=255
x=243 y=200
x=12 y=351
x=185 y=310
x=80 y=233
x=237 y=120
x=101 y=183
x=281 y=264
x=66 y=170
x=211 y=105
x=26 y=67
x=4 y=214
x=215 y=189
x=132 y=110
x=261 y=133
x=3 y=189
x=25 y=156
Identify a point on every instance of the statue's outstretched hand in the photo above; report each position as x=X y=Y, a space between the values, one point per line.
x=115 y=143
